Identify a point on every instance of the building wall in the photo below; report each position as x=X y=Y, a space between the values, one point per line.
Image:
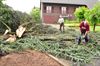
x=53 y=16
x=56 y=12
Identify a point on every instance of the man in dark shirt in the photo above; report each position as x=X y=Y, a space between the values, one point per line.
x=84 y=29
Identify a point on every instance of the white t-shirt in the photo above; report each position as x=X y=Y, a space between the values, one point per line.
x=60 y=20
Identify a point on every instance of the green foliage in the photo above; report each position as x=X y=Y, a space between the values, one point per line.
x=7 y=18
x=1 y=4
x=3 y=16
x=75 y=52
x=10 y=19
x=35 y=13
x=79 y=12
x=23 y=17
x=93 y=15
x=97 y=10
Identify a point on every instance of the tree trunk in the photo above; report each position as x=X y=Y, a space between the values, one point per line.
x=7 y=26
x=94 y=27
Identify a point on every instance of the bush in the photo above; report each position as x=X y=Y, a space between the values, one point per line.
x=35 y=13
x=79 y=12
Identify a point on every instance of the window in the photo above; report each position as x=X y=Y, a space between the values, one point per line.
x=44 y=9
x=63 y=10
x=48 y=9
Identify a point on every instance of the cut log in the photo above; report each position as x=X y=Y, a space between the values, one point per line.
x=12 y=38
x=20 y=31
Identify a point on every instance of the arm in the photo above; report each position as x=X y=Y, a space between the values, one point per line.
x=87 y=30
x=80 y=26
x=58 y=21
x=63 y=20
x=86 y=33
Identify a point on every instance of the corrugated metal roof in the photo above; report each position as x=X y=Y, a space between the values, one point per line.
x=89 y=3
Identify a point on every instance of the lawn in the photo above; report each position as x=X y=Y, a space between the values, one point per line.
x=96 y=29
x=76 y=25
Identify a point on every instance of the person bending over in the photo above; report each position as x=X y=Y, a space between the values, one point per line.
x=84 y=29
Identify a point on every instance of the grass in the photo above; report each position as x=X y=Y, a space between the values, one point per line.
x=72 y=24
x=76 y=25
x=69 y=50
x=96 y=29
x=75 y=52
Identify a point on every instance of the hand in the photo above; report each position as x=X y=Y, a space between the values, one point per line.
x=83 y=36
x=83 y=28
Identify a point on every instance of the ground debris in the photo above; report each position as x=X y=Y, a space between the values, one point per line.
x=28 y=58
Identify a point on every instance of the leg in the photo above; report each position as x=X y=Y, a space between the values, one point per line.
x=60 y=27
x=63 y=27
x=86 y=38
x=79 y=40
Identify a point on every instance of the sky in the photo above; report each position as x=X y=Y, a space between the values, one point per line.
x=23 y=5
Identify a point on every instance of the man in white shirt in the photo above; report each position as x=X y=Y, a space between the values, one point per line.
x=61 y=22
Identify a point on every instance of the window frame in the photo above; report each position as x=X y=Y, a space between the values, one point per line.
x=48 y=9
x=63 y=10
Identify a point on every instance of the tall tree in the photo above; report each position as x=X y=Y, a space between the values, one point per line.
x=93 y=16
x=79 y=13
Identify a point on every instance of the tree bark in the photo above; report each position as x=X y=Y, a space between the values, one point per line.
x=94 y=27
x=7 y=26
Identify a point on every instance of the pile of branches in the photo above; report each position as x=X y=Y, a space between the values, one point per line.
x=43 y=29
x=74 y=52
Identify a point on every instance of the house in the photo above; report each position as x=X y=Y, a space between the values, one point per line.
x=52 y=9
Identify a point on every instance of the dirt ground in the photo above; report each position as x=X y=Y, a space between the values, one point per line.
x=28 y=58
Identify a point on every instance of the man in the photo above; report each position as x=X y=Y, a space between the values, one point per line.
x=61 y=22
x=84 y=29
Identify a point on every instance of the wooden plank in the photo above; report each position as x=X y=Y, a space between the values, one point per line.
x=61 y=61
